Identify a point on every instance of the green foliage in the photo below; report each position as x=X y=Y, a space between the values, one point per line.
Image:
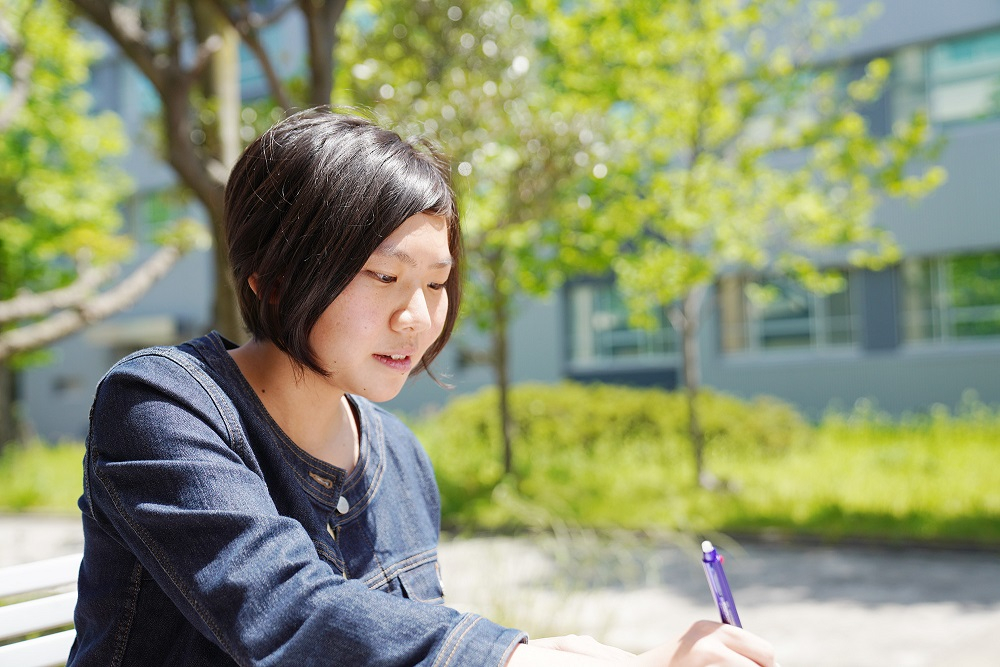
x=469 y=76
x=590 y=450
x=736 y=148
x=59 y=190
x=40 y=477
x=733 y=148
x=614 y=457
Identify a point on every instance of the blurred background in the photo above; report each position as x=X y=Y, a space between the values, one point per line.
x=733 y=270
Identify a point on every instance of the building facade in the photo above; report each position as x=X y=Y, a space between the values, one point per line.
x=923 y=332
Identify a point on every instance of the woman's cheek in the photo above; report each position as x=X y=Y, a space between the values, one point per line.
x=440 y=313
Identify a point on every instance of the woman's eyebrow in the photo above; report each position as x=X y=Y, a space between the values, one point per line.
x=393 y=252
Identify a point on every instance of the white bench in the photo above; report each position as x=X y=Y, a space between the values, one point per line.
x=37 y=598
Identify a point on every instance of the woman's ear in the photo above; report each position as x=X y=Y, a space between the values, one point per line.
x=254 y=283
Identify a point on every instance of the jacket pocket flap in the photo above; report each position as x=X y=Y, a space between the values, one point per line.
x=423 y=583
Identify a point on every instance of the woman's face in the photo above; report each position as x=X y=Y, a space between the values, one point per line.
x=378 y=329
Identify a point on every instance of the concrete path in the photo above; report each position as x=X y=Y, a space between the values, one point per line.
x=820 y=607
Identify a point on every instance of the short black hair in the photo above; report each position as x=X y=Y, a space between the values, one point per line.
x=306 y=205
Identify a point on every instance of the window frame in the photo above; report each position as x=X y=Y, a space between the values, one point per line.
x=821 y=326
x=658 y=346
x=939 y=318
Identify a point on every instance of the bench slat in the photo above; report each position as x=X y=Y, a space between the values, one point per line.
x=47 y=651
x=18 y=620
x=40 y=575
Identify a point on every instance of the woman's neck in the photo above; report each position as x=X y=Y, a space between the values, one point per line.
x=312 y=412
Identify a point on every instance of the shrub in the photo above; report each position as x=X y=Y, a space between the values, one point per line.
x=590 y=453
x=39 y=476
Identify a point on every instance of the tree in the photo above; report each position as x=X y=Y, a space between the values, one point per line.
x=468 y=76
x=60 y=240
x=739 y=151
x=188 y=50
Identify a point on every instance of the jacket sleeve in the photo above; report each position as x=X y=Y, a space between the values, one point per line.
x=183 y=494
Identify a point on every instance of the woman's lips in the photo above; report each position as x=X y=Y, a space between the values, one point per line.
x=397 y=362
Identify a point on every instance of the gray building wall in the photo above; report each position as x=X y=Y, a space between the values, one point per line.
x=964 y=213
x=905 y=22
x=909 y=380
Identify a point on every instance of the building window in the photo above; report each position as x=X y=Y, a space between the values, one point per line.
x=954 y=80
x=105 y=85
x=948 y=298
x=600 y=332
x=792 y=318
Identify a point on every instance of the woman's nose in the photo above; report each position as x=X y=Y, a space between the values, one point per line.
x=415 y=315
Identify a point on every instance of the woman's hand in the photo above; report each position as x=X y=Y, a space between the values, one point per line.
x=568 y=651
x=705 y=644
x=583 y=645
x=711 y=644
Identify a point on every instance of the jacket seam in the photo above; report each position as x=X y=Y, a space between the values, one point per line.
x=325 y=552
x=470 y=621
x=405 y=565
x=125 y=628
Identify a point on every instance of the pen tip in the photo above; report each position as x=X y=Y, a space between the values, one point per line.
x=706 y=547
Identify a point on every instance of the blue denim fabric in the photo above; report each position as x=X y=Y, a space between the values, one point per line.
x=211 y=539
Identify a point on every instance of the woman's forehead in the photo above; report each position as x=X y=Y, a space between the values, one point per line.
x=424 y=233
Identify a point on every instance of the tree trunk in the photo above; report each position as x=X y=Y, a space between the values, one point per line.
x=8 y=427
x=225 y=87
x=205 y=175
x=225 y=310
x=690 y=326
x=321 y=24
x=500 y=357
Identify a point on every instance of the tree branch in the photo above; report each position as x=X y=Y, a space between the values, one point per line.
x=66 y=322
x=123 y=25
x=31 y=305
x=173 y=84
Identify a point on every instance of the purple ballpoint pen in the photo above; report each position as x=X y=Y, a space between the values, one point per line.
x=719 y=585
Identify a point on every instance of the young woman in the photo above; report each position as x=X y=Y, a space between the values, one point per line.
x=252 y=505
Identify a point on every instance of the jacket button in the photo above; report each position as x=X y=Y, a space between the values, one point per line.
x=343 y=505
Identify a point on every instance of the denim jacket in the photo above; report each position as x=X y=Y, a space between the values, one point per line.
x=212 y=539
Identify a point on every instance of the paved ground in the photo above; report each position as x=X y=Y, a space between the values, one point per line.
x=821 y=607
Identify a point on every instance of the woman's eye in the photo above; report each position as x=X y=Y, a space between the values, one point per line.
x=382 y=277
x=436 y=286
